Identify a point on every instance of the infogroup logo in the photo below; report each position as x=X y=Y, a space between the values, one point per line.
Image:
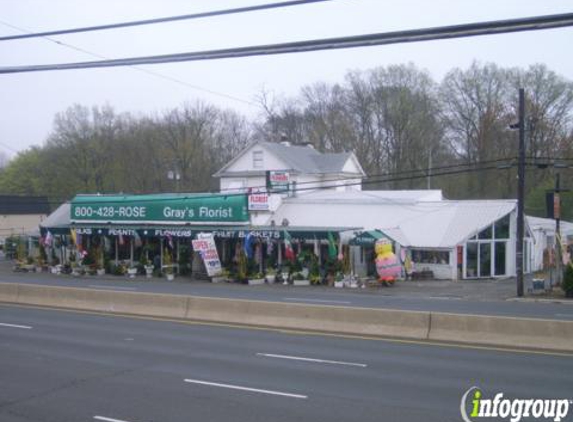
x=513 y=409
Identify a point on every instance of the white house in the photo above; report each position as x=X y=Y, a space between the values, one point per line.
x=301 y=167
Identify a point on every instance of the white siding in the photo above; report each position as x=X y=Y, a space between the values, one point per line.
x=245 y=162
x=19 y=224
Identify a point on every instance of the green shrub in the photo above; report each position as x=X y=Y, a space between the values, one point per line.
x=567 y=283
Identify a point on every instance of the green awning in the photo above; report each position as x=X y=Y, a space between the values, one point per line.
x=160 y=209
x=219 y=231
x=367 y=238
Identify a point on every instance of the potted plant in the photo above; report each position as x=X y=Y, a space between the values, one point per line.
x=257 y=278
x=99 y=260
x=168 y=264
x=567 y=283
x=270 y=276
x=242 y=267
x=299 y=279
x=223 y=276
x=132 y=272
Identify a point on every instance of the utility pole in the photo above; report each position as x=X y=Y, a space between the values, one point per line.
x=557 y=216
x=520 y=195
x=429 y=178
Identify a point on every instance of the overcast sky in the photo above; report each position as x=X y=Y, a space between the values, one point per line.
x=29 y=101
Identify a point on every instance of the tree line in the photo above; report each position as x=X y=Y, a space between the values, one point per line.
x=403 y=126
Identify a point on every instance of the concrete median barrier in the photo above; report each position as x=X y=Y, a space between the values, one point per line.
x=342 y=320
x=527 y=333
x=167 y=306
x=150 y=304
x=8 y=292
x=64 y=297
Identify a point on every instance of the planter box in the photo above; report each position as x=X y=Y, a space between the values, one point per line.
x=301 y=283
x=149 y=271
x=256 y=281
x=218 y=279
x=339 y=284
x=132 y=272
x=170 y=277
x=270 y=278
x=100 y=271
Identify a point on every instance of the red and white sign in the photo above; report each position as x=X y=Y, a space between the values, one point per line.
x=259 y=202
x=205 y=245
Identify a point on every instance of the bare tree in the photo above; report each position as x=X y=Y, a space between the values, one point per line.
x=477 y=113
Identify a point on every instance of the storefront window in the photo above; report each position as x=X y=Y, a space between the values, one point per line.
x=428 y=256
x=472 y=259
x=500 y=251
x=502 y=228
x=486 y=233
x=485 y=259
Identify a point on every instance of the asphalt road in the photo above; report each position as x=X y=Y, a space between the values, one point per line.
x=468 y=297
x=65 y=366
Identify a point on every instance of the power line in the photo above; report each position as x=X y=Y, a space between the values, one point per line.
x=369 y=180
x=368 y=40
x=140 y=69
x=163 y=20
x=9 y=147
x=406 y=175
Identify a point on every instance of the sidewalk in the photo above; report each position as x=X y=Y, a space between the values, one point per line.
x=473 y=290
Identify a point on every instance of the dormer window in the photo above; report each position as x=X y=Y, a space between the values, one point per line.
x=257 y=159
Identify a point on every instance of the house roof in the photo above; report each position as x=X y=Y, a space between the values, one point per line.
x=369 y=196
x=301 y=159
x=17 y=204
x=413 y=223
x=548 y=225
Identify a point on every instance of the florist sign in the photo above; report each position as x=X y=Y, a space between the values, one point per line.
x=160 y=209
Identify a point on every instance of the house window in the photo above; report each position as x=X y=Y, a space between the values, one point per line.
x=257 y=159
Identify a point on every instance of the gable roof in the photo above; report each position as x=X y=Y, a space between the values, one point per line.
x=301 y=159
x=18 y=205
x=413 y=223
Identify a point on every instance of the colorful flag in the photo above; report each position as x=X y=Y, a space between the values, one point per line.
x=332 y=254
x=137 y=239
x=48 y=239
x=316 y=247
x=248 y=245
x=289 y=251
